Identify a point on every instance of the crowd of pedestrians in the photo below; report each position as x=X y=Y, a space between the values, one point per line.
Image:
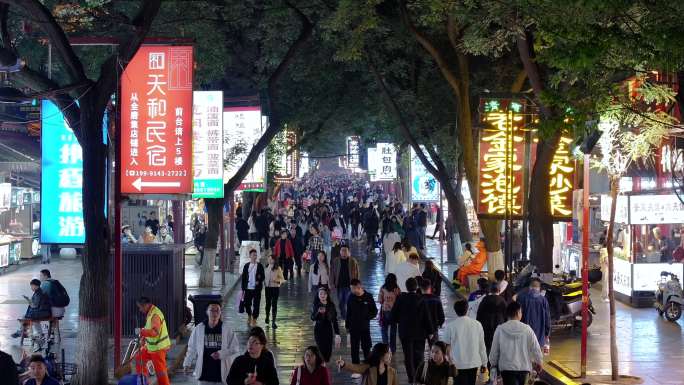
x=307 y=237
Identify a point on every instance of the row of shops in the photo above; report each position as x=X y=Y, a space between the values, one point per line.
x=19 y=227
x=648 y=239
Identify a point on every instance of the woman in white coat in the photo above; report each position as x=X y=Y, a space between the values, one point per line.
x=212 y=368
x=388 y=241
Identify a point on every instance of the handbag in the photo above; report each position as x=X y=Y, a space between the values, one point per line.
x=241 y=303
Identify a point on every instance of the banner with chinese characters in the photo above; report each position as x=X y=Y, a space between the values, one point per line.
x=156 y=121
x=561 y=172
x=502 y=147
x=353 y=148
x=386 y=163
x=655 y=209
x=242 y=128
x=207 y=144
x=503 y=158
x=424 y=186
x=61 y=204
x=372 y=163
x=5 y=196
x=287 y=162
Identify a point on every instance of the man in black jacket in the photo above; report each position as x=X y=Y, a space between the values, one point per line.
x=253 y=276
x=8 y=369
x=262 y=228
x=242 y=228
x=415 y=325
x=433 y=304
x=361 y=309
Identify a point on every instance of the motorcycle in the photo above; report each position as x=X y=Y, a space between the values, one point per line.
x=564 y=297
x=565 y=303
x=669 y=296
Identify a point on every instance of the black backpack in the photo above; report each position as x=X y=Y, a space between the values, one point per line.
x=61 y=297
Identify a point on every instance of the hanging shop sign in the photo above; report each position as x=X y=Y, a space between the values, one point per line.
x=303 y=164
x=655 y=209
x=242 y=128
x=644 y=209
x=502 y=147
x=289 y=157
x=156 y=121
x=622 y=276
x=61 y=204
x=353 y=148
x=207 y=144
x=4 y=255
x=621 y=208
x=505 y=150
x=424 y=186
x=386 y=164
x=372 y=164
x=5 y=196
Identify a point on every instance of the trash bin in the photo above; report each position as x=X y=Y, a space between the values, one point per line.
x=200 y=302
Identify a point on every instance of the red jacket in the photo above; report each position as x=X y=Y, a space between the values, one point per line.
x=289 y=250
x=320 y=376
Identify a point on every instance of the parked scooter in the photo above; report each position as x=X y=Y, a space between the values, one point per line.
x=669 y=296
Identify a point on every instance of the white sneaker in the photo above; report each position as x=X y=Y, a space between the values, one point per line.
x=356 y=376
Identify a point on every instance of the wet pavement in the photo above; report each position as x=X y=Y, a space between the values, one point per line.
x=649 y=346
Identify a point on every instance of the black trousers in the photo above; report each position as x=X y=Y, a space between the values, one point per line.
x=466 y=376
x=512 y=377
x=364 y=339
x=252 y=302
x=413 y=354
x=272 y=294
x=287 y=265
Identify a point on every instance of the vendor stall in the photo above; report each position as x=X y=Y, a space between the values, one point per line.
x=18 y=223
x=647 y=239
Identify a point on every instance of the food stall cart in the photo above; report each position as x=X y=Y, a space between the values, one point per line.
x=647 y=232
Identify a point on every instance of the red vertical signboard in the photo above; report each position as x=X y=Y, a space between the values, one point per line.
x=156 y=121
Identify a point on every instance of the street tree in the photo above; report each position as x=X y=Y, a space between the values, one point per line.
x=415 y=49
x=632 y=128
x=83 y=97
x=252 y=46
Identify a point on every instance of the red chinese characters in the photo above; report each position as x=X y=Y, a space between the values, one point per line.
x=156 y=121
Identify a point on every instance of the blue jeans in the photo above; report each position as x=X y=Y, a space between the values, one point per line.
x=342 y=298
x=389 y=331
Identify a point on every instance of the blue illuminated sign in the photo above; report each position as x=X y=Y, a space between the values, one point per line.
x=61 y=204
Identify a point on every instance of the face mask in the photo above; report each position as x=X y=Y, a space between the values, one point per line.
x=535 y=291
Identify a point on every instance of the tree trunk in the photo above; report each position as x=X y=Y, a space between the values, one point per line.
x=457 y=211
x=614 y=186
x=539 y=210
x=403 y=173
x=95 y=290
x=214 y=211
x=458 y=223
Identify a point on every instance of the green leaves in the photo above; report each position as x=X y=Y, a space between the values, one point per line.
x=633 y=127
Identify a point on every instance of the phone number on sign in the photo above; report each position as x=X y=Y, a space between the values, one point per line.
x=135 y=173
